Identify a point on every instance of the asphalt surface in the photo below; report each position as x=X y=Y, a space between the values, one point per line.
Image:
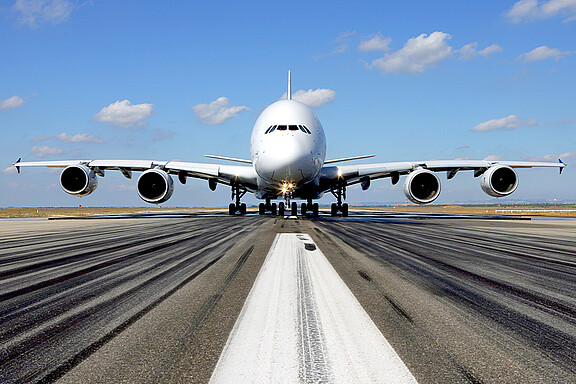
x=151 y=300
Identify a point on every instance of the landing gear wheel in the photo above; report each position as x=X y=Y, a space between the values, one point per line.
x=344 y=210
x=333 y=209
x=232 y=209
x=273 y=209
x=242 y=209
x=303 y=208
x=294 y=209
x=261 y=208
x=281 y=209
x=315 y=209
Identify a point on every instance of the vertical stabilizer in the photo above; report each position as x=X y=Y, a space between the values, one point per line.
x=289 y=97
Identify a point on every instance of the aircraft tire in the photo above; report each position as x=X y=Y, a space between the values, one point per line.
x=281 y=209
x=345 y=210
x=333 y=209
x=232 y=209
x=242 y=209
x=315 y=209
x=294 y=209
x=303 y=208
x=273 y=209
x=261 y=208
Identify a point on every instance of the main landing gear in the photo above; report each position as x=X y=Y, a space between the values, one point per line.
x=339 y=192
x=309 y=207
x=269 y=207
x=237 y=193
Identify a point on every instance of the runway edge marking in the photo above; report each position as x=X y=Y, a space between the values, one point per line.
x=301 y=323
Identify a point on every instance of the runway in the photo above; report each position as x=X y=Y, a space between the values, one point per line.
x=149 y=299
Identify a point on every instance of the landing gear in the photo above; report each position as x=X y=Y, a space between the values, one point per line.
x=309 y=206
x=237 y=193
x=233 y=208
x=339 y=192
x=268 y=207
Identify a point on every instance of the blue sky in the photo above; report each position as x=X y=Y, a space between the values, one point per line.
x=404 y=80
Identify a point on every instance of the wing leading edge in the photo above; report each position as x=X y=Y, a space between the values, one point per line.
x=225 y=174
x=356 y=173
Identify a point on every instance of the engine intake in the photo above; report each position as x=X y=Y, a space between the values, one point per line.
x=78 y=180
x=422 y=186
x=499 y=181
x=155 y=186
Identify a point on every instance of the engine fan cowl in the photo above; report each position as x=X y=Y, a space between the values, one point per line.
x=422 y=186
x=155 y=186
x=78 y=180
x=499 y=181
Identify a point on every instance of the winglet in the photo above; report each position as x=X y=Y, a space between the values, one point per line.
x=16 y=164
x=561 y=162
x=289 y=97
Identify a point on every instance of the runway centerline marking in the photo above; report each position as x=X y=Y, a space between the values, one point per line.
x=301 y=323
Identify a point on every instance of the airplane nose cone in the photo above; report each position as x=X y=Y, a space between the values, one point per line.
x=288 y=161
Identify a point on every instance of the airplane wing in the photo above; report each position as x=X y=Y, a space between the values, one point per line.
x=354 y=174
x=225 y=174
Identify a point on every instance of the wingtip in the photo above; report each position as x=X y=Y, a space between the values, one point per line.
x=16 y=164
x=563 y=165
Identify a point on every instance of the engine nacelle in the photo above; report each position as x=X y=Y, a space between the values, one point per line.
x=155 y=186
x=499 y=181
x=78 y=180
x=422 y=186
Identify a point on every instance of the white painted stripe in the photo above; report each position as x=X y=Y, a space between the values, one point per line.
x=301 y=323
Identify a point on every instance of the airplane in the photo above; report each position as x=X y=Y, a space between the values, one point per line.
x=288 y=161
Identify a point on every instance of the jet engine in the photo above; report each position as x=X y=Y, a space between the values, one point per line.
x=155 y=186
x=78 y=180
x=422 y=186
x=499 y=181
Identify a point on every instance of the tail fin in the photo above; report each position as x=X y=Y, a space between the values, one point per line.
x=289 y=97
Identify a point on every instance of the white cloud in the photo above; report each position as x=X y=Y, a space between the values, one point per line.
x=78 y=138
x=10 y=170
x=470 y=51
x=494 y=158
x=314 y=98
x=342 y=41
x=525 y=10
x=41 y=138
x=11 y=103
x=376 y=43
x=506 y=123
x=44 y=150
x=217 y=111
x=565 y=157
x=124 y=114
x=35 y=12
x=543 y=53
x=418 y=54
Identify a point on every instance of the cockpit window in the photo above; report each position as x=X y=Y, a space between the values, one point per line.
x=288 y=127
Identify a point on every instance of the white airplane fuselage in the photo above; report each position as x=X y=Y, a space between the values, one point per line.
x=287 y=148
